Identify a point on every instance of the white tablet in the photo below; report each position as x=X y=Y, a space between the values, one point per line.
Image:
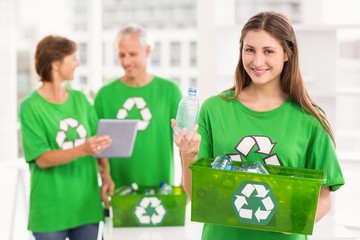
x=123 y=134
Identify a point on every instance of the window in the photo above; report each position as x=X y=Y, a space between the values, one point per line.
x=156 y=55
x=193 y=82
x=115 y=57
x=192 y=54
x=348 y=96
x=175 y=54
x=189 y=11
x=244 y=9
x=104 y=54
x=83 y=80
x=177 y=80
x=23 y=74
x=82 y=53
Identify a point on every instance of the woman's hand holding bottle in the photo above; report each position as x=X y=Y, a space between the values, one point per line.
x=188 y=144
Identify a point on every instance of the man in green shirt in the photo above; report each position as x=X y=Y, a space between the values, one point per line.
x=150 y=99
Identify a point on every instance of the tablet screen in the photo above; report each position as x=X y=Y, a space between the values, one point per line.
x=123 y=134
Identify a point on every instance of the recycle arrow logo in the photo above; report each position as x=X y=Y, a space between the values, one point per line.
x=150 y=211
x=71 y=133
x=263 y=144
x=254 y=203
x=140 y=104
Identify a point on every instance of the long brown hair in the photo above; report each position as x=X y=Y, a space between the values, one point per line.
x=278 y=26
x=50 y=49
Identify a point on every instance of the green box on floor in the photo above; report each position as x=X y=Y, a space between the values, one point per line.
x=150 y=210
x=283 y=201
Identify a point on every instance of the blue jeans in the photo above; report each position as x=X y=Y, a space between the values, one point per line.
x=85 y=232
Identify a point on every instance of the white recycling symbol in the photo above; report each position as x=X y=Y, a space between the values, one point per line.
x=157 y=214
x=264 y=145
x=255 y=203
x=61 y=137
x=140 y=104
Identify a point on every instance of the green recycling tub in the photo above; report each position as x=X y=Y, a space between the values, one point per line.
x=150 y=210
x=285 y=200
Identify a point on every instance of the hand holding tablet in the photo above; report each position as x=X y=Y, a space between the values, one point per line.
x=123 y=135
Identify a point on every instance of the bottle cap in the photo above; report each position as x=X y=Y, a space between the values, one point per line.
x=162 y=184
x=134 y=186
x=192 y=90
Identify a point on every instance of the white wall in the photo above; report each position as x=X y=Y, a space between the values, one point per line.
x=8 y=119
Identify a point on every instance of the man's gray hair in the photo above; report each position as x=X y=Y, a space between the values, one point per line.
x=133 y=28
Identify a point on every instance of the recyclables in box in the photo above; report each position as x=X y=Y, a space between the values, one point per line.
x=283 y=201
x=140 y=210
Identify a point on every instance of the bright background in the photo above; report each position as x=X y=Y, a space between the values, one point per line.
x=195 y=44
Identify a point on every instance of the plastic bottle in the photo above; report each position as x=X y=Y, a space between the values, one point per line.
x=187 y=112
x=165 y=188
x=149 y=191
x=257 y=168
x=124 y=190
x=254 y=167
x=222 y=162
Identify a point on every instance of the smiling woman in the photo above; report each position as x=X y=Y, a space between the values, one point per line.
x=268 y=91
x=263 y=58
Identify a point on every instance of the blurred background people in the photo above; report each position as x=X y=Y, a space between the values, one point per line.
x=58 y=127
x=150 y=99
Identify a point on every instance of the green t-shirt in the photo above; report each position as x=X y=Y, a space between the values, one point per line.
x=68 y=195
x=154 y=105
x=284 y=136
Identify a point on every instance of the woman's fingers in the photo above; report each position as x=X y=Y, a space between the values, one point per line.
x=98 y=144
x=188 y=142
x=104 y=141
x=193 y=131
x=173 y=123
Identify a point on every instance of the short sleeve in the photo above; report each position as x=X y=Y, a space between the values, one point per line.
x=323 y=157
x=33 y=136
x=204 y=131
x=98 y=104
